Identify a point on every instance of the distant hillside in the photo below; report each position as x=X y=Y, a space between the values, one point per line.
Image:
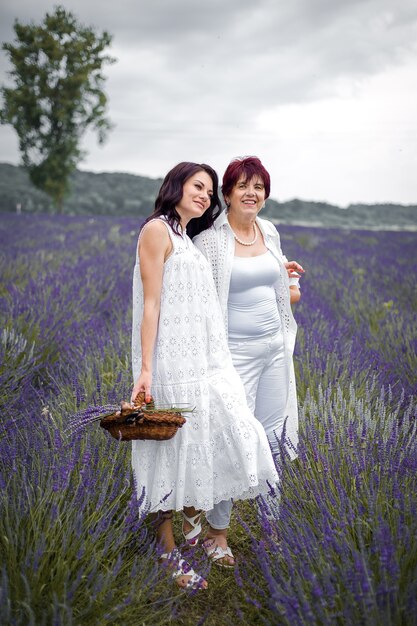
x=127 y=194
x=355 y=216
x=91 y=194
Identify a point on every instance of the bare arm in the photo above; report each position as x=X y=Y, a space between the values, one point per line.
x=154 y=248
x=295 y=294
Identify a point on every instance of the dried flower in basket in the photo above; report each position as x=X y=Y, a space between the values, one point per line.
x=137 y=420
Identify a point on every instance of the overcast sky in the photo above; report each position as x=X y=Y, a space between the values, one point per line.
x=323 y=91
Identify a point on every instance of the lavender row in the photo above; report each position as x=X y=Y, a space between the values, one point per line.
x=343 y=539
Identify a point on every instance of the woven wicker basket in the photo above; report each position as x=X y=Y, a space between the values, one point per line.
x=142 y=421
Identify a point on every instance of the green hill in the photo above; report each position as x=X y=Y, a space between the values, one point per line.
x=91 y=194
x=126 y=194
x=355 y=216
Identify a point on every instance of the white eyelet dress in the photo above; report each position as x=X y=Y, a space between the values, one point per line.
x=222 y=451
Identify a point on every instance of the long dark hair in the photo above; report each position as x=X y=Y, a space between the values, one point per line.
x=171 y=192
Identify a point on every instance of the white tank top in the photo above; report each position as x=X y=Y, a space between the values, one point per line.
x=252 y=306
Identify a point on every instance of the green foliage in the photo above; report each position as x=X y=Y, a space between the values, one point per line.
x=356 y=216
x=57 y=71
x=91 y=194
x=121 y=194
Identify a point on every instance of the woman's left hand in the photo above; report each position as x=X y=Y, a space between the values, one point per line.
x=294 y=269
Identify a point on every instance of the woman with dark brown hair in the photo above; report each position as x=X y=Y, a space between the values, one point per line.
x=180 y=356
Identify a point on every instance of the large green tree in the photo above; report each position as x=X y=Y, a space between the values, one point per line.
x=57 y=94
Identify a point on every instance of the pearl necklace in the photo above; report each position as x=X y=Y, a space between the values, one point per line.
x=246 y=243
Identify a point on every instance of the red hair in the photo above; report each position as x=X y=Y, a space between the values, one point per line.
x=247 y=167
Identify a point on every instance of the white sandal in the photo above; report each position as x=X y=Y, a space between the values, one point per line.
x=192 y=536
x=215 y=553
x=180 y=567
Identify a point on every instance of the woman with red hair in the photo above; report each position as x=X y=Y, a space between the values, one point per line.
x=256 y=286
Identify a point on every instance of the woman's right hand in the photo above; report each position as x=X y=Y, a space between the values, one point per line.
x=143 y=383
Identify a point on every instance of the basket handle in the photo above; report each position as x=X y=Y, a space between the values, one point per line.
x=139 y=401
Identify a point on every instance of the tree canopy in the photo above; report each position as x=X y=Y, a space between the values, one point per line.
x=57 y=68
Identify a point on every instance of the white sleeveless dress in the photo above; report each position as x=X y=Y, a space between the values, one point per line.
x=222 y=451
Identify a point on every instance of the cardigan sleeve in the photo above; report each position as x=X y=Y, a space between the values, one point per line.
x=293 y=280
x=206 y=242
x=273 y=232
x=201 y=242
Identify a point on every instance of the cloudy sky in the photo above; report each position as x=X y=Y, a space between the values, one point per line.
x=323 y=91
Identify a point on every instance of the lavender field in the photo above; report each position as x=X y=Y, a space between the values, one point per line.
x=343 y=550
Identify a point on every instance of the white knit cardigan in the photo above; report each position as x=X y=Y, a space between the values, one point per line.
x=218 y=246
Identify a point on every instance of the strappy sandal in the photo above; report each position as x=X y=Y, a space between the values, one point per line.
x=215 y=553
x=180 y=567
x=192 y=536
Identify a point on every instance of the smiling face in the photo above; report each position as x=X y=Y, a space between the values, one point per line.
x=196 y=197
x=247 y=197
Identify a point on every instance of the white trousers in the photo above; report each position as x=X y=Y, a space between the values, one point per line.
x=260 y=364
